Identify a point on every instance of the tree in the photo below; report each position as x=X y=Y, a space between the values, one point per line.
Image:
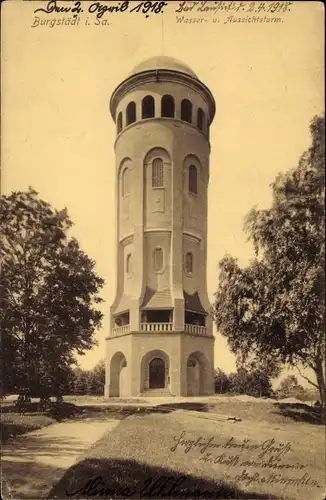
x=290 y=388
x=49 y=294
x=238 y=381
x=255 y=383
x=275 y=306
x=99 y=377
x=221 y=382
x=80 y=386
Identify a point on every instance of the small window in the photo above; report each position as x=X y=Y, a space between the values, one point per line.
x=186 y=110
x=167 y=106
x=189 y=263
x=119 y=123
x=157 y=172
x=125 y=183
x=158 y=259
x=129 y=264
x=147 y=107
x=200 y=119
x=192 y=180
x=131 y=113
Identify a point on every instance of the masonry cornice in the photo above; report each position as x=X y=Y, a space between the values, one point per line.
x=161 y=75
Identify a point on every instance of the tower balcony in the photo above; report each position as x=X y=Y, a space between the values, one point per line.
x=160 y=327
x=156 y=327
x=161 y=321
x=120 y=330
x=196 y=329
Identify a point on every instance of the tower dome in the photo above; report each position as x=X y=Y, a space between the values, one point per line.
x=163 y=62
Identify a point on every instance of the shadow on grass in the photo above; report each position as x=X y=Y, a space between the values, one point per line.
x=14 y=423
x=301 y=412
x=62 y=410
x=130 y=479
x=11 y=408
x=17 y=482
x=201 y=407
x=38 y=448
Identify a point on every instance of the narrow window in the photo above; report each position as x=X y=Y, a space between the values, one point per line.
x=192 y=179
x=158 y=259
x=167 y=106
x=125 y=182
x=147 y=107
x=157 y=172
x=131 y=113
x=128 y=264
x=189 y=263
x=119 y=122
x=186 y=110
x=200 y=119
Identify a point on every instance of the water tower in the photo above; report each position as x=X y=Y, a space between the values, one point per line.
x=161 y=337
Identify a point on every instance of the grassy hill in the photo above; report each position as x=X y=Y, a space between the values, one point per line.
x=170 y=452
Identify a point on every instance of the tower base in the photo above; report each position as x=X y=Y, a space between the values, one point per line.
x=159 y=364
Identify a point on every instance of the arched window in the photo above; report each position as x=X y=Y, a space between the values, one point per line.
x=192 y=179
x=131 y=113
x=125 y=182
x=186 y=110
x=157 y=172
x=148 y=107
x=189 y=262
x=119 y=122
x=158 y=259
x=167 y=105
x=200 y=119
x=128 y=264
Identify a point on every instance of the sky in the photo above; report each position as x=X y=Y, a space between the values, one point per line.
x=58 y=135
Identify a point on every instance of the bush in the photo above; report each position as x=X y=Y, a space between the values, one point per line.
x=221 y=382
x=254 y=383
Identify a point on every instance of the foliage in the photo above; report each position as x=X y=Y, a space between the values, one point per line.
x=49 y=295
x=275 y=306
x=90 y=382
x=255 y=383
x=290 y=388
x=221 y=382
x=80 y=382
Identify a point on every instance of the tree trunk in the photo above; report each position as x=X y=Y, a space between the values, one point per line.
x=318 y=369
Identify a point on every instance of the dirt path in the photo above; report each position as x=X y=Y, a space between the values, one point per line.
x=34 y=462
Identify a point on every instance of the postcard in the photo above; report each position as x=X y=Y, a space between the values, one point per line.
x=161 y=218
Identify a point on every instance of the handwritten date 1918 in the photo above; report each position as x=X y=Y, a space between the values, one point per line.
x=100 y=9
x=146 y=7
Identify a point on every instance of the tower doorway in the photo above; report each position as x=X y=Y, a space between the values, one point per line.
x=198 y=375
x=157 y=374
x=118 y=376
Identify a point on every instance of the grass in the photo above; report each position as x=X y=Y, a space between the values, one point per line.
x=138 y=459
x=85 y=399
x=141 y=452
x=14 y=424
x=267 y=412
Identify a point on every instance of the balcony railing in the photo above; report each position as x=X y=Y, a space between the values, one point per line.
x=196 y=329
x=156 y=327
x=159 y=327
x=120 y=330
